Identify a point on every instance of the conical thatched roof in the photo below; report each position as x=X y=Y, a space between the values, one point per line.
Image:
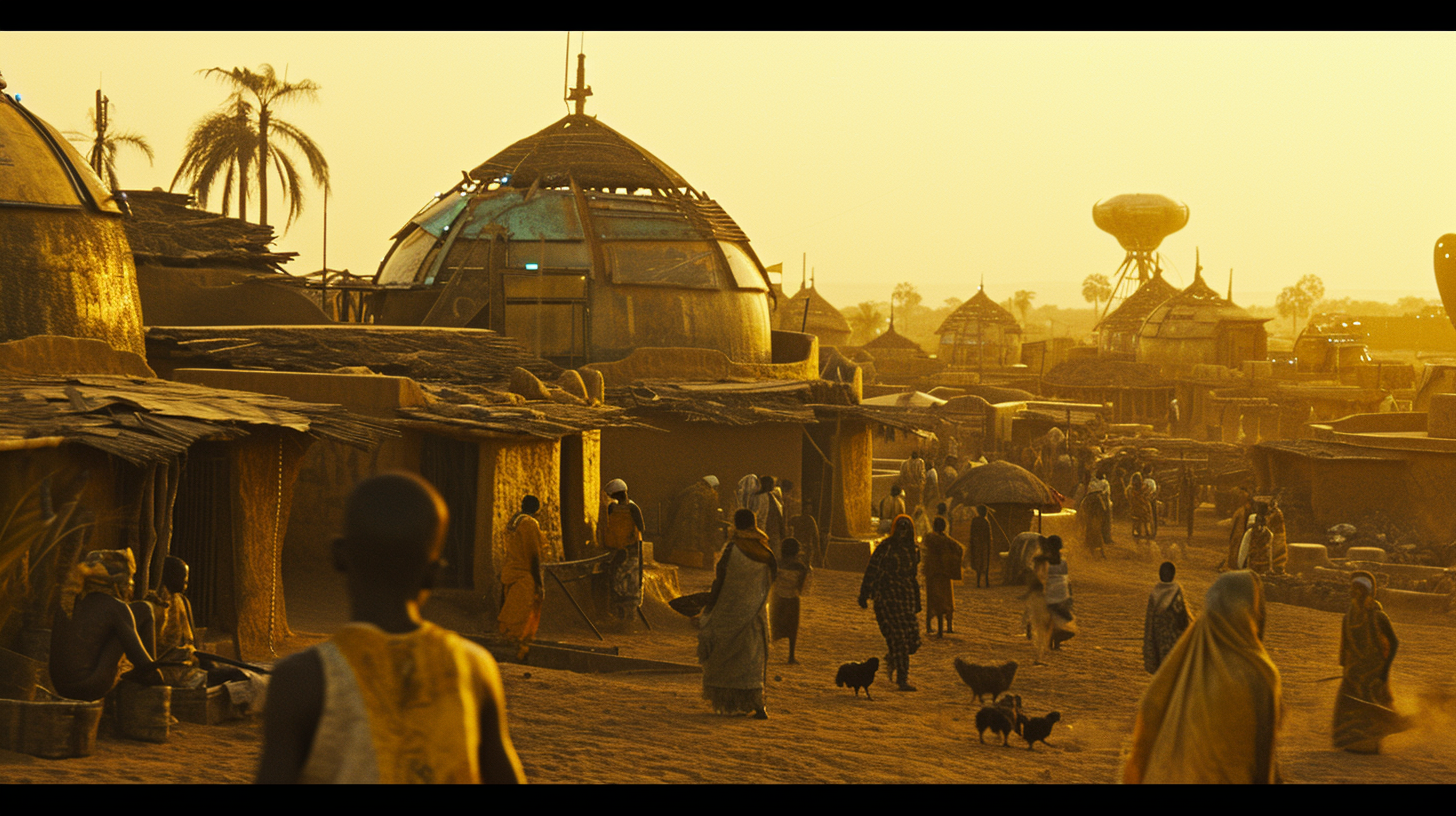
x=979 y=309
x=824 y=320
x=1129 y=316
x=1004 y=483
x=892 y=340
x=1194 y=312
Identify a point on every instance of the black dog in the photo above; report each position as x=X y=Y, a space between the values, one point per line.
x=858 y=676
x=1002 y=718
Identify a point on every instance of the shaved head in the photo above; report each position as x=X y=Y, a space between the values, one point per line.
x=394 y=527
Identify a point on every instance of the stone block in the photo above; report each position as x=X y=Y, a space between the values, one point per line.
x=1374 y=554
x=1303 y=558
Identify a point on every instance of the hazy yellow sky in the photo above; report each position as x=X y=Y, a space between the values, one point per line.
x=929 y=157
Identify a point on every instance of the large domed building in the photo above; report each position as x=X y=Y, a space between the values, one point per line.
x=66 y=268
x=583 y=246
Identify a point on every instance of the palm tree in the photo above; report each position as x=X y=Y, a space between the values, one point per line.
x=1023 y=300
x=222 y=141
x=865 y=319
x=105 y=142
x=1095 y=289
x=258 y=92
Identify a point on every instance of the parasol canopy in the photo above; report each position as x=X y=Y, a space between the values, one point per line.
x=1004 y=483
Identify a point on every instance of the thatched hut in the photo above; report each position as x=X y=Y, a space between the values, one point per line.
x=979 y=333
x=807 y=311
x=1117 y=333
x=1198 y=327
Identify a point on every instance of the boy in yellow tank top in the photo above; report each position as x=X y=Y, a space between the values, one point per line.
x=391 y=698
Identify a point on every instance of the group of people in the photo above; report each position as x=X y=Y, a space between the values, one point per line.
x=1212 y=710
x=1209 y=714
x=1140 y=495
x=99 y=625
x=1258 y=540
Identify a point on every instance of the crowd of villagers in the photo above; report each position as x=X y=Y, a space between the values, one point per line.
x=1209 y=714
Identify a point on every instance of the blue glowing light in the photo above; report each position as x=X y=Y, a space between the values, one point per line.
x=533 y=266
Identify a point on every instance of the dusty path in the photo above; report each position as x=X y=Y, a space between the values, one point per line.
x=655 y=728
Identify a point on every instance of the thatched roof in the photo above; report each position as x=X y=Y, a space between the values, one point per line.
x=165 y=229
x=722 y=403
x=823 y=317
x=464 y=356
x=1004 y=483
x=582 y=149
x=1129 y=316
x=892 y=340
x=1194 y=313
x=979 y=309
x=147 y=421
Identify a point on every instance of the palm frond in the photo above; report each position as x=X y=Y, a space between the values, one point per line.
x=288 y=181
x=317 y=164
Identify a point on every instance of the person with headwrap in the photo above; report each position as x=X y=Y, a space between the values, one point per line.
x=523 y=588
x=622 y=530
x=1212 y=709
x=1140 y=510
x=891 y=582
x=733 y=635
x=1166 y=619
x=751 y=497
x=942 y=566
x=772 y=522
x=1364 y=713
x=95 y=627
x=912 y=480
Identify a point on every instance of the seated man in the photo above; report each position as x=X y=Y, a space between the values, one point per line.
x=94 y=627
x=392 y=697
x=182 y=666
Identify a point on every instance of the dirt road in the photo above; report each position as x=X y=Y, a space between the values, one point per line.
x=655 y=728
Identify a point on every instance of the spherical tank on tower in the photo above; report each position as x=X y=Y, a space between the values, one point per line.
x=1140 y=222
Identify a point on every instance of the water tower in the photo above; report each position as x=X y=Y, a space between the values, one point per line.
x=1140 y=223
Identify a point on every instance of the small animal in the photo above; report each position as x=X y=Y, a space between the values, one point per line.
x=1002 y=718
x=983 y=680
x=858 y=676
x=1034 y=729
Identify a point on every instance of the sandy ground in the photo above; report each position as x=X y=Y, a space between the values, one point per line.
x=655 y=727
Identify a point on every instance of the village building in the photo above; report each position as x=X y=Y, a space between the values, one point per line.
x=196 y=268
x=898 y=360
x=64 y=245
x=1117 y=333
x=1199 y=327
x=1396 y=464
x=99 y=452
x=807 y=311
x=980 y=334
x=472 y=412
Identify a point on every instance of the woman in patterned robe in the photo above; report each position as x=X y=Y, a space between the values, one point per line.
x=891 y=581
x=1363 y=709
